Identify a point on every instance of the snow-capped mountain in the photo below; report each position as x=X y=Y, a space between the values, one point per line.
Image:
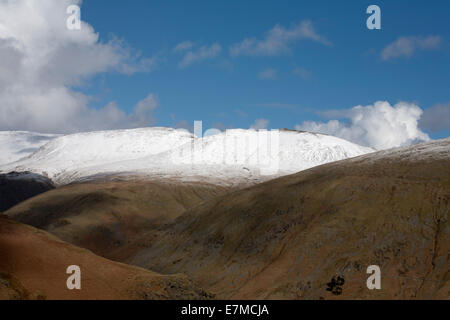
x=15 y=145
x=287 y=151
x=80 y=150
x=234 y=156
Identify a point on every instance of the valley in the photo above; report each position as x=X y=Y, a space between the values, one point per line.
x=204 y=233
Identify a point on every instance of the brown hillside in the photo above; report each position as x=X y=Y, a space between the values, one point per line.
x=287 y=238
x=104 y=216
x=33 y=266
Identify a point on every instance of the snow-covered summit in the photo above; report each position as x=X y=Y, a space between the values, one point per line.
x=274 y=152
x=166 y=152
x=15 y=145
x=79 y=150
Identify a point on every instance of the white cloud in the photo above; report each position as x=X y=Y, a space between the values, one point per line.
x=277 y=41
x=406 y=46
x=142 y=114
x=41 y=60
x=260 y=124
x=185 y=45
x=268 y=74
x=436 y=118
x=380 y=125
x=203 y=53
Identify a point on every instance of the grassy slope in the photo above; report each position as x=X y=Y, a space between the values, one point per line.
x=106 y=216
x=33 y=266
x=288 y=237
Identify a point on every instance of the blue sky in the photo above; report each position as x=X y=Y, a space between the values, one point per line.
x=228 y=90
x=341 y=65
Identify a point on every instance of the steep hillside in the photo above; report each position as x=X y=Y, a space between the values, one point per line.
x=103 y=216
x=33 y=266
x=16 y=187
x=288 y=238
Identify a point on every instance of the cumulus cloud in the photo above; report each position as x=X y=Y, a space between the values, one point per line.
x=41 y=60
x=380 y=125
x=277 y=41
x=260 y=124
x=268 y=74
x=185 y=45
x=203 y=53
x=404 y=47
x=436 y=118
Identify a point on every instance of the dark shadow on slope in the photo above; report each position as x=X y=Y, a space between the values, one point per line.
x=16 y=187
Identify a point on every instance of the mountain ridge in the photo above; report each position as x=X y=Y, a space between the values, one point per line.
x=288 y=237
x=175 y=153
